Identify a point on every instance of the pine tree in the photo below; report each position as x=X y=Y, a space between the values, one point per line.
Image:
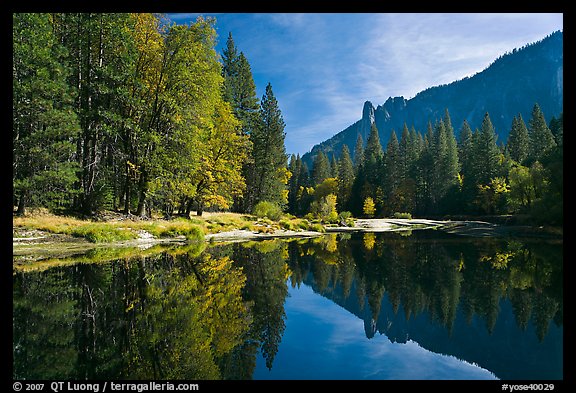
x=373 y=151
x=267 y=174
x=333 y=166
x=44 y=124
x=358 y=153
x=345 y=178
x=518 y=140
x=240 y=91
x=415 y=147
x=466 y=158
x=541 y=138
x=465 y=146
x=229 y=70
x=392 y=165
x=295 y=167
x=485 y=153
x=321 y=169
x=406 y=147
x=448 y=122
x=557 y=128
x=424 y=172
x=373 y=155
x=445 y=158
x=358 y=192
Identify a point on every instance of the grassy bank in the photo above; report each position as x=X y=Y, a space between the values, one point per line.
x=111 y=227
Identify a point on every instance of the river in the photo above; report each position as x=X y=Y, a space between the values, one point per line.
x=422 y=305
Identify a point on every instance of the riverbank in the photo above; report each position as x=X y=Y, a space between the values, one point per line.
x=47 y=234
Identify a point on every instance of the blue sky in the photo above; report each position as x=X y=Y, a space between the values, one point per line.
x=323 y=66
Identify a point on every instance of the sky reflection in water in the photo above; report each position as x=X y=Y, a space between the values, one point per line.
x=322 y=337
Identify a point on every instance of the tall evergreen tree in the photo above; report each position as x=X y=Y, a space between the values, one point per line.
x=44 y=125
x=486 y=153
x=415 y=147
x=358 y=192
x=267 y=175
x=229 y=69
x=239 y=90
x=295 y=167
x=466 y=158
x=465 y=147
x=392 y=165
x=557 y=128
x=373 y=155
x=518 y=140
x=448 y=122
x=424 y=174
x=406 y=148
x=541 y=138
x=333 y=166
x=445 y=156
x=358 y=153
x=373 y=150
x=345 y=178
x=99 y=47
x=321 y=169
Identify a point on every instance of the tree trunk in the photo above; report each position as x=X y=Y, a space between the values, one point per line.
x=127 y=196
x=140 y=211
x=143 y=186
x=189 y=207
x=22 y=204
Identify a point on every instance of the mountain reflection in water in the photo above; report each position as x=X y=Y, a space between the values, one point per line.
x=475 y=308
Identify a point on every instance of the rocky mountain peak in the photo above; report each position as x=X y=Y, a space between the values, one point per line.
x=511 y=85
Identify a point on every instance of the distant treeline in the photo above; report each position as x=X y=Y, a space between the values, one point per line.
x=439 y=173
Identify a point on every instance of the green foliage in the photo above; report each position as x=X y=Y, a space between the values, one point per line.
x=179 y=227
x=138 y=121
x=492 y=196
x=267 y=177
x=102 y=233
x=345 y=215
x=358 y=153
x=407 y=216
x=541 y=138
x=266 y=209
x=321 y=169
x=44 y=123
x=345 y=177
x=326 y=187
x=317 y=227
x=346 y=218
x=518 y=140
x=128 y=112
x=326 y=209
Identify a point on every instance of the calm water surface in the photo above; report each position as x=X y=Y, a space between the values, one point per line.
x=364 y=306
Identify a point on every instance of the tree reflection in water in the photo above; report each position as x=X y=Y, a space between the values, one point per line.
x=186 y=313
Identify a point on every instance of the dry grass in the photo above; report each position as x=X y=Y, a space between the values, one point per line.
x=119 y=227
x=113 y=230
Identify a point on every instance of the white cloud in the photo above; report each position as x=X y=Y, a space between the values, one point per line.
x=324 y=66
